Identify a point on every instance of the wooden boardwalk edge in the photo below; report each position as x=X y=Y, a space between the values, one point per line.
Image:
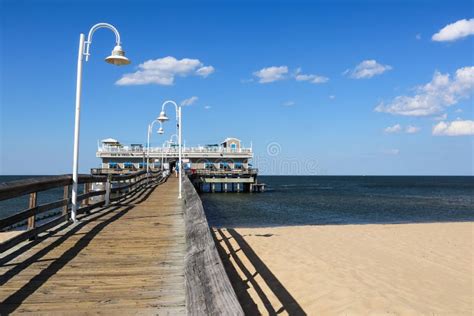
x=208 y=288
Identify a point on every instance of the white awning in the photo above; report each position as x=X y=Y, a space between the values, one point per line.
x=109 y=140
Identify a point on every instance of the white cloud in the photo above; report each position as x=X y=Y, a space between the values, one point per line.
x=271 y=74
x=289 y=103
x=454 y=128
x=455 y=31
x=367 y=69
x=434 y=96
x=274 y=73
x=162 y=71
x=205 y=71
x=393 y=129
x=189 y=101
x=412 y=129
x=442 y=117
x=458 y=111
x=397 y=128
x=312 y=78
x=332 y=97
x=207 y=107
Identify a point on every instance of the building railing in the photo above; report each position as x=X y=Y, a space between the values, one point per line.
x=186 y=150
x=117 y=187
x=221 y=172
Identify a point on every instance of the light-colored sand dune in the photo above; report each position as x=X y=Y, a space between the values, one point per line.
x=406 y=269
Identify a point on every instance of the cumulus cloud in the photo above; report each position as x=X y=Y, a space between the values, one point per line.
x=274 y=73
x=205 y=71
x=454 y=128
x=393 y=129
x=317 y=79
x=412 y=129
x=397 y=128
x=162 y=71
x=312 y=78
x=434 y=96
x=271 y=74
x=455 y=31
x=367 y=69
x=189 y=101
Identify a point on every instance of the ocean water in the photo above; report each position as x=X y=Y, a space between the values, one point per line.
x=336 y=200
x=321 y=200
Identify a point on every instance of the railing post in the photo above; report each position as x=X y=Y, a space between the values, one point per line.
x=32 y=218
x=85 y=202
x=108 y=185
x=66 y=197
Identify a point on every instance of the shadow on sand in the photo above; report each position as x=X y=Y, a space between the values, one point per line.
x=236 y=251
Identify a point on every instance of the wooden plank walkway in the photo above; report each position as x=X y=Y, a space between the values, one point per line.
x=125 y=259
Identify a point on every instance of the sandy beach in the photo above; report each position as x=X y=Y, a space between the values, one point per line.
x=405 y=269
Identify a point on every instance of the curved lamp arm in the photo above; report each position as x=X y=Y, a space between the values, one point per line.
x=172 y=102
x=153 y=123
x=91 y=33
x=174 y=135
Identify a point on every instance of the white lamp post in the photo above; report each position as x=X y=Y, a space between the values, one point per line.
x=163 y=118
x=150 y=129
x=116 y=58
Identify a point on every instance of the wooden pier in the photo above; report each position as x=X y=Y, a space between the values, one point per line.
x=148 y=253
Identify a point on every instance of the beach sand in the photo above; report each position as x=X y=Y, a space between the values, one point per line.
x=404 y=269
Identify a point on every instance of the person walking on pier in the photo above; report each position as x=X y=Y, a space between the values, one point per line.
x=175 y=171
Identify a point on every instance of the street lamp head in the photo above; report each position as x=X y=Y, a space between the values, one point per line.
x=161 y=131
x=118 y=57
x=163 y=118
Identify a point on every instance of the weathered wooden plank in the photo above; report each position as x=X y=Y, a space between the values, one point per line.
x=123 y=259
x=17 y=188
x=89 y=194
x=208 y=289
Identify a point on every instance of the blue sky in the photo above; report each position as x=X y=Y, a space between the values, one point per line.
x=357 y=87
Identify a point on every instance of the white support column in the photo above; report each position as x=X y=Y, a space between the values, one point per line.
x=181 y=167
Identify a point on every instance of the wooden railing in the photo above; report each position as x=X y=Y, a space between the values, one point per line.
x=115 y=187
x=208 y=288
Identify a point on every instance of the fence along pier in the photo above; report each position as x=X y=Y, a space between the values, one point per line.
x=133 y=250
